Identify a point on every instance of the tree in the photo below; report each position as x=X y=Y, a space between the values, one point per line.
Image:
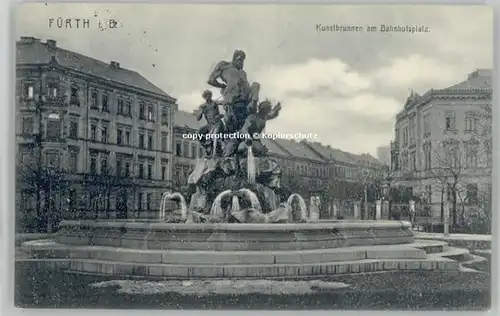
x=45 y=183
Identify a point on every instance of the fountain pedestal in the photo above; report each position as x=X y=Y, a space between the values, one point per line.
x=157 y=249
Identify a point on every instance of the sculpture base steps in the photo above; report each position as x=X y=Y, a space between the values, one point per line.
x=179 y=264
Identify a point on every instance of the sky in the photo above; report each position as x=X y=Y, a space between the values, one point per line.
x=344 y=87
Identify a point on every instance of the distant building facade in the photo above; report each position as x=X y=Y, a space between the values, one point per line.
x=442 y=145
x=93 y=138
x=384 y=155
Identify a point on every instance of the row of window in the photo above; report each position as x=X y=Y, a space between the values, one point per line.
x=472 y=123
x=123 y=134
x=102 y=102
x=452 y=158
x=99 y=164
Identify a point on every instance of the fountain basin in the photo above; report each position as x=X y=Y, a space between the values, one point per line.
x=233 y=237
x=154 y=249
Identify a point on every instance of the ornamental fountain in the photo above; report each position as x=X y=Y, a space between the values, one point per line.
x=240 y=221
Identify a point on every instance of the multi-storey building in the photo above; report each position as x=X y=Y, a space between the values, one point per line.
x=442 y=145
x=93 y=138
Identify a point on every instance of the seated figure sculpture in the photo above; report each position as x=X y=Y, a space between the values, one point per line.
x=254 y=126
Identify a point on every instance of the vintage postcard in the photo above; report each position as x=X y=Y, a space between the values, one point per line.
x=253 y=156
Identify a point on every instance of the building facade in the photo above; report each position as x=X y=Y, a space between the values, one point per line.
x=93 y=138
x=442 y=145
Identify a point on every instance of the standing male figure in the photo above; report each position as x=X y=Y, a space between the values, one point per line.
x=209 y=110
x=235 y=89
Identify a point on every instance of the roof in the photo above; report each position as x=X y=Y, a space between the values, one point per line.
x=31 y=50
x=479 y=79
x=330 y=153
x=187 y=120
x=274 y=148
x=366 y=158
x=298 y=149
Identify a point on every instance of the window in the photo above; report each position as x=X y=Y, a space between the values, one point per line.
x=141 y=140
x=412 y=129
x=74 y=99
x=164 y=116
x=141 y=171
x=128 y=108
x=119 y=136
x=140 y=197
x=150 y=142
x=142 y=110
x=73 y=162
x=163 y=172
x=193 y=150
x=93 y=132
x=450 y=121
x=52 y=159
x=53 y=129
x=427 y=157
x=72 y=199
x=164 y=142
x=127 y=169
x=149 y=198
x=405 y=136
x=121 y=109
x=200 y=152
x=178 y=149
x=452 y=156
x=105 y=103
x=104 y=165
x=427 y=129
x=119 y=167
x=488 y=149
x=94 y=101
x=53 y=90
x=471 y=156
x=150 y=112
x=29 y=91
x=73 y=129
x=185 y=149
x=28 y=123
x=150 y=171
x=472 y=194
x=471 y=122
x=104 y=134
x=93 y=165
x=127 y=137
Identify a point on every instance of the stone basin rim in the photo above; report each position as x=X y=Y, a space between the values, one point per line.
x=258 y=227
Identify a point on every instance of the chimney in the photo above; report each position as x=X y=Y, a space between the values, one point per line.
x=29 y=40
x=114 y=64
x=51 y=43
